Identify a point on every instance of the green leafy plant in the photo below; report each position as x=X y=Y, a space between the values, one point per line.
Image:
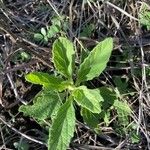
x=144 y=15
x=21 y=56
x=51 y=31
x=62 y=91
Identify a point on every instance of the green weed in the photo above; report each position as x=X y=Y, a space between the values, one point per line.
x=61 y=92
x=51 y=31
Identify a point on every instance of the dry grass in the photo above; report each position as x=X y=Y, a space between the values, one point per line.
x=19 y=20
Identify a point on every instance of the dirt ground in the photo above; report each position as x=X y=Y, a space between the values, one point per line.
x=86 y=22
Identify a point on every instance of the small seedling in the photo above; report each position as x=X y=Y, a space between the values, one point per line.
x=21 y=56
x=51 y=31
x=144 y=15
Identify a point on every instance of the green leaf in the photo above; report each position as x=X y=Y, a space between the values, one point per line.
x=25 y=56
x=38 y=37
x=144 y=15
x=122 y=106
x=48 y=81
x=84 y=54
x=121 y=85
x=87 y=30
x=52 y=31
x=123 y=111
x=87 y=98
x=43 y=31
x=43 y=105
x=63 y=56
x=109 y=96
x=45 y=40
x=91 y=119
x=135 y=138
x=106 y=117
x=57 y=20
x=96 y=61
x=62 y=129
